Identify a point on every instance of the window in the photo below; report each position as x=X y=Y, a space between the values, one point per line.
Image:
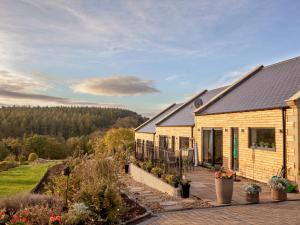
x=262 y=138
x=163 y=142
x=184 y=143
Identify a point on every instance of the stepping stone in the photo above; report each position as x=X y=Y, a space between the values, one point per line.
x=152 y=199
x=198 y=185
x=188 y=200
x=137 y=189
x=168 y=203
x=173 y=207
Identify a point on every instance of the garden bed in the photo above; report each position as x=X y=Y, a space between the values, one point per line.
x=152 y=181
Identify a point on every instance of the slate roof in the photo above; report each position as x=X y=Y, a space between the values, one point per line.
x=268 y=88
x=149 y=125
x=184 y=115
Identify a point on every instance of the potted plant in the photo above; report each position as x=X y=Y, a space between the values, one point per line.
x=185 y=188
x=278 y=187
x=224 y=186
x=252 y=192
x=176 y=181
x=126 y=166
x=156 y=171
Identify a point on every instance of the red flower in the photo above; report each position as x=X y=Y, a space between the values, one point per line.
x=54 y=219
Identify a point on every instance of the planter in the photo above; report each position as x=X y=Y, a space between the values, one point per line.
x=185 y=190
x=253 y=198
x=176 y=185
x=224 y=190
x=159 y=175
x=279 y=195
x=126 y=167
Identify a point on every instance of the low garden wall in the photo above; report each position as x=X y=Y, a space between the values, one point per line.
x=152 y=181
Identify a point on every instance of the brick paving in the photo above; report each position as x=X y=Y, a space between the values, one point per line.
x=203 y=186
x=256 y=214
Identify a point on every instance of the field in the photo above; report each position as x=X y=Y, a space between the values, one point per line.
x=22 y=178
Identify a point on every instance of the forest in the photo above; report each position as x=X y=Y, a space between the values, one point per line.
x=63 y=122
x=57 y=132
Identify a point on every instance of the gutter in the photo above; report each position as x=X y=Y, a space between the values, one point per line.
x=284 y=155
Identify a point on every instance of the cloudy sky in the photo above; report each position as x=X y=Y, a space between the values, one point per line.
x=142 y=54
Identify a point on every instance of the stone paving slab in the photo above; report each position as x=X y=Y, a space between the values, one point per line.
x=258 y=214
x=203 y=186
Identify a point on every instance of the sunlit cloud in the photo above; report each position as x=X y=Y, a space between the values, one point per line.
x=115 y=86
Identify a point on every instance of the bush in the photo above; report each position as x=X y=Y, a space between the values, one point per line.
x=278 y=183
x=148 y=166
x=10 y=158
x=78 y=214
x=157 y=171
x=32 y=157
x=22 y=159
x=5 y=165
x=20 y=201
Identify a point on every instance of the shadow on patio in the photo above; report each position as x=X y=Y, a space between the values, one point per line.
x=203 y=186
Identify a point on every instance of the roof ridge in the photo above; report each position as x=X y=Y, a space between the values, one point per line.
x=284 y=61
x=154 y=117
x=182 y=106
x=229 y=88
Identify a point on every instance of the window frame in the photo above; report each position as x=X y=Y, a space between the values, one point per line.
x=258 y=147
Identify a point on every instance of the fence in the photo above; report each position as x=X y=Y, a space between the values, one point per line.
x=170 y=161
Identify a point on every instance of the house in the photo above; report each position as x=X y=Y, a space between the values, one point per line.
x=145 y=133
x=252 y=126
x=176 y=130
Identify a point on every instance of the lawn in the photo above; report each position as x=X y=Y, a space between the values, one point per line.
x=22 y=178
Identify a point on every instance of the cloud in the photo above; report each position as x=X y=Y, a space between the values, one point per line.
x=115 y=86
x=20 y=89
x=170 y=78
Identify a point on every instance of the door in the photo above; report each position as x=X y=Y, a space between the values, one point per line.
x=213 y=146
x=235 y=149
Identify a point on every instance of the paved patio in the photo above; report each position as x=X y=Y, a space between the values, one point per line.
x=203 y=187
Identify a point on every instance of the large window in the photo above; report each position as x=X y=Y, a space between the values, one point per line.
x=184 y=143
x=262 y=138
x=163 y=142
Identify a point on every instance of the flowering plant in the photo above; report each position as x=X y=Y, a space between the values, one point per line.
x=252 y=188
x=222 y=174
x=3 y=217
x=278 y=183
x=18 y=220
x=54 y=220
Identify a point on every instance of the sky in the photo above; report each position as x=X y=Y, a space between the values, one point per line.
x=141 y=55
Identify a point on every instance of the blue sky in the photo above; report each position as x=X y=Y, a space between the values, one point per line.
x=142 y=55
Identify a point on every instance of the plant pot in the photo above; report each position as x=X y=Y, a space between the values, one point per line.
x=126 y=167
x=185 y=190
x=224 y=190
x=253 y=198
x=175 y=185
x=279 y=195
x=159 y=175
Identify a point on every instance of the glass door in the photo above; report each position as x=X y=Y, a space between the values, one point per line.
x=212 y=146
x=235 y=149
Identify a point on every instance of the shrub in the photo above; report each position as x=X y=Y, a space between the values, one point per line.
x=32 y=157
x=172 y=179
x=148 y=166
x=22 y=159
x=19 y=201
x=5 y=165
x=77 y=215
x=157 y=171
x=10 y=158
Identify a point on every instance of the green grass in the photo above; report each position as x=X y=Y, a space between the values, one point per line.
x=22 y=178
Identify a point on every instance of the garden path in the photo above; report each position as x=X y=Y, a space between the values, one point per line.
x=156 y=201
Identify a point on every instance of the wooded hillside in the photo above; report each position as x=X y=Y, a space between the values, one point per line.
x=63 y=121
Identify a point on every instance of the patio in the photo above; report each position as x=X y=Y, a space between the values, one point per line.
x=203 y=187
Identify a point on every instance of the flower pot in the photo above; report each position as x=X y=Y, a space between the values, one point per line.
x=279 y=195
x=185 y=190
x=224 y=190
x=175 y=185
x=126 y=167
x=159 y=175
x=253 y=198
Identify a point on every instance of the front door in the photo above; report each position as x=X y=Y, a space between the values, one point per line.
x=235 y=149
x=212 y=146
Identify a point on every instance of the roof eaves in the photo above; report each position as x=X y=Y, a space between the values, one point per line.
x=295 y=97
x=228 y=89
x=148 y=121
x=181 y=107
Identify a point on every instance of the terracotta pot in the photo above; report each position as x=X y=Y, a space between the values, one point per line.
x=224 y=190
x=278 y=195
x=253 y=198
